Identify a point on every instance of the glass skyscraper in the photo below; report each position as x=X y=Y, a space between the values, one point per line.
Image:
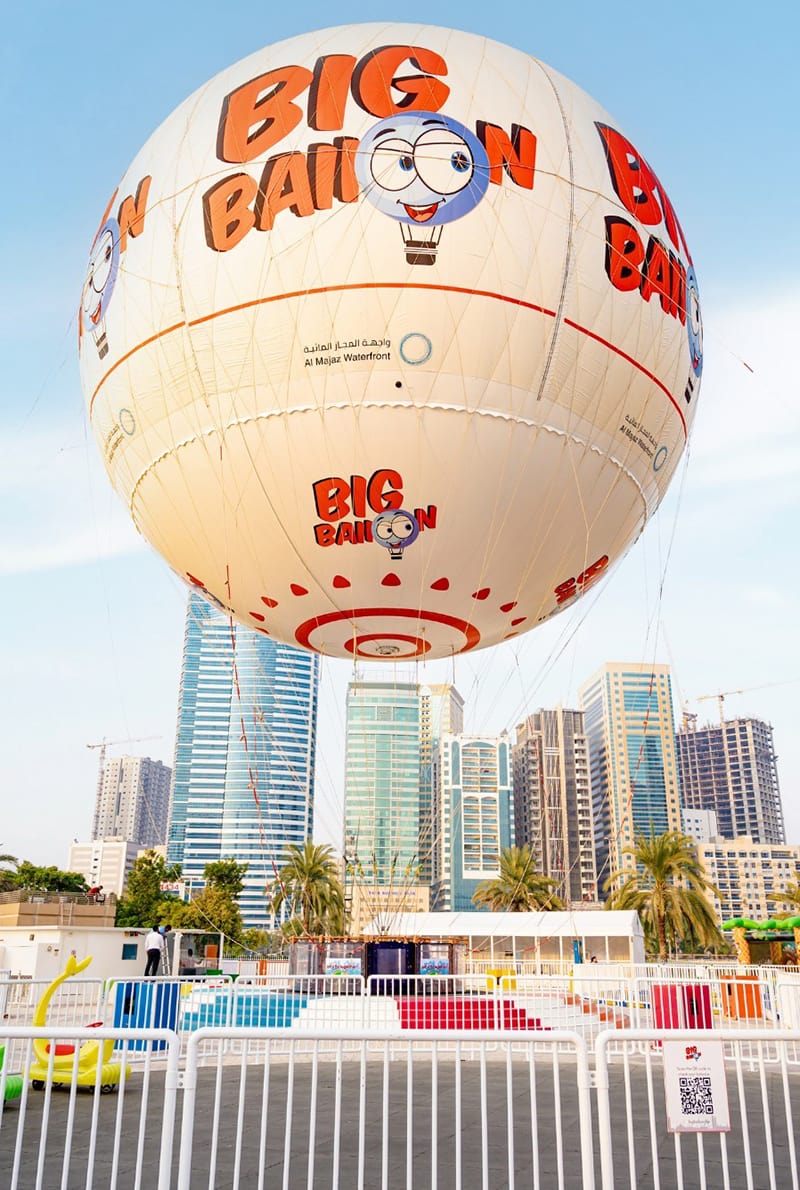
x=382 y=781
x=628 y=719
x=243 y=780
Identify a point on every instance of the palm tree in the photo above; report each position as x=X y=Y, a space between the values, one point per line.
x=518 y=887
x=668 y=890
x=8 y=878
x=309 y=884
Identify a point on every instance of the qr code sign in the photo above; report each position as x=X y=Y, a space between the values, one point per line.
x=695 y=1086
x=696 y=1095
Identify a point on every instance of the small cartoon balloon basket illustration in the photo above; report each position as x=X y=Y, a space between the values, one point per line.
x=395 y=531
x=424 y=170
x=420 y=251
x=99 y=285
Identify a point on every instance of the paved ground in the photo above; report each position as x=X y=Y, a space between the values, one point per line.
x=484 y=1153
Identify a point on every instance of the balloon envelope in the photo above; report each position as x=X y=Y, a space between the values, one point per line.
x=391 y=341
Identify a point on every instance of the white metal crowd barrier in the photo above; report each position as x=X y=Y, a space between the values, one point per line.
x=731 y=1112
x=400 y=1115
x=415 y=1109
x=588 y=1000
x=138 y=1002
x=76 y=1000
x=74 y=1112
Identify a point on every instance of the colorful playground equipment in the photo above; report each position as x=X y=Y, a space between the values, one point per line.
x=13 y=1082
x=67 y=1067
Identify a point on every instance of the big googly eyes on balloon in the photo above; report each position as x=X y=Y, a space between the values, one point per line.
x=440 y=159
x=395 y=531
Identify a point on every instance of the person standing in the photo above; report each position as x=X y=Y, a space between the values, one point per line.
x=153 y=944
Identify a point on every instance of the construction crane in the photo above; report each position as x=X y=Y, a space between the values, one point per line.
x=720 y=697
x=723 y=694
x=112 y=743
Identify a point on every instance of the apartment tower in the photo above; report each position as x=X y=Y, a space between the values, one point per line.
x=731 y=769
x=553 y=801
x=441 y=711
x=243 y=785
x=472 y=816
x=629 y=724
x=132 y=801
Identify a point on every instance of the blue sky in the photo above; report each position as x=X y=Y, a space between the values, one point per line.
x=92 y=620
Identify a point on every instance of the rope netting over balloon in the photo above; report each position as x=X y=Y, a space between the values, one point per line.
x=249 y=385
x=391 y=367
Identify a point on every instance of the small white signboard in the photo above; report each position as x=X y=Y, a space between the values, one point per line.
x=343 y=965
x=696 y=1087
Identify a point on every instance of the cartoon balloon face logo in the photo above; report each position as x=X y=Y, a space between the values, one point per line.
x=99 y=285
x=694 y=322
x=395 y=531
x=424 y=170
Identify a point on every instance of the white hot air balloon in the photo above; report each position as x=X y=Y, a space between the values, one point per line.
x=391 y=341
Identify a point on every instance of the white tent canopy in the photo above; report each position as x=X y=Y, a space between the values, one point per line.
x=610 y=936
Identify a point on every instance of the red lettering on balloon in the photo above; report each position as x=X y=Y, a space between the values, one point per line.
x=330 y=498
x=656 y=277
x=385 y=490
x=327 y=95
x=624 y=253
x=260 y=113
x=516 y=154
x=375 y=81
x=132 y=212
x=227 y=217
x=331 y=172
x=284 y=186
x=638 y=187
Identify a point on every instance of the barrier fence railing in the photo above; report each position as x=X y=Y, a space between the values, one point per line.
x=57 y=1125
x=76 y=1000
x=729 y=1106
x=594 y=999
x=141 y=1001
x=403 y=1110
x=588 y=1000
x=416 y=1108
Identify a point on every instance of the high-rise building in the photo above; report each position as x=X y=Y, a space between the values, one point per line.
x=629 y=723
x=382 y=782
x=731 y=768
x=553 y=800
x=472 y=816
x=132 y=801
x=750 y=876
x=441 y=710
x=243 y=785
x=104 y=863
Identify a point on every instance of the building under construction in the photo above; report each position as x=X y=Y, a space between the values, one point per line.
x=731 y=768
